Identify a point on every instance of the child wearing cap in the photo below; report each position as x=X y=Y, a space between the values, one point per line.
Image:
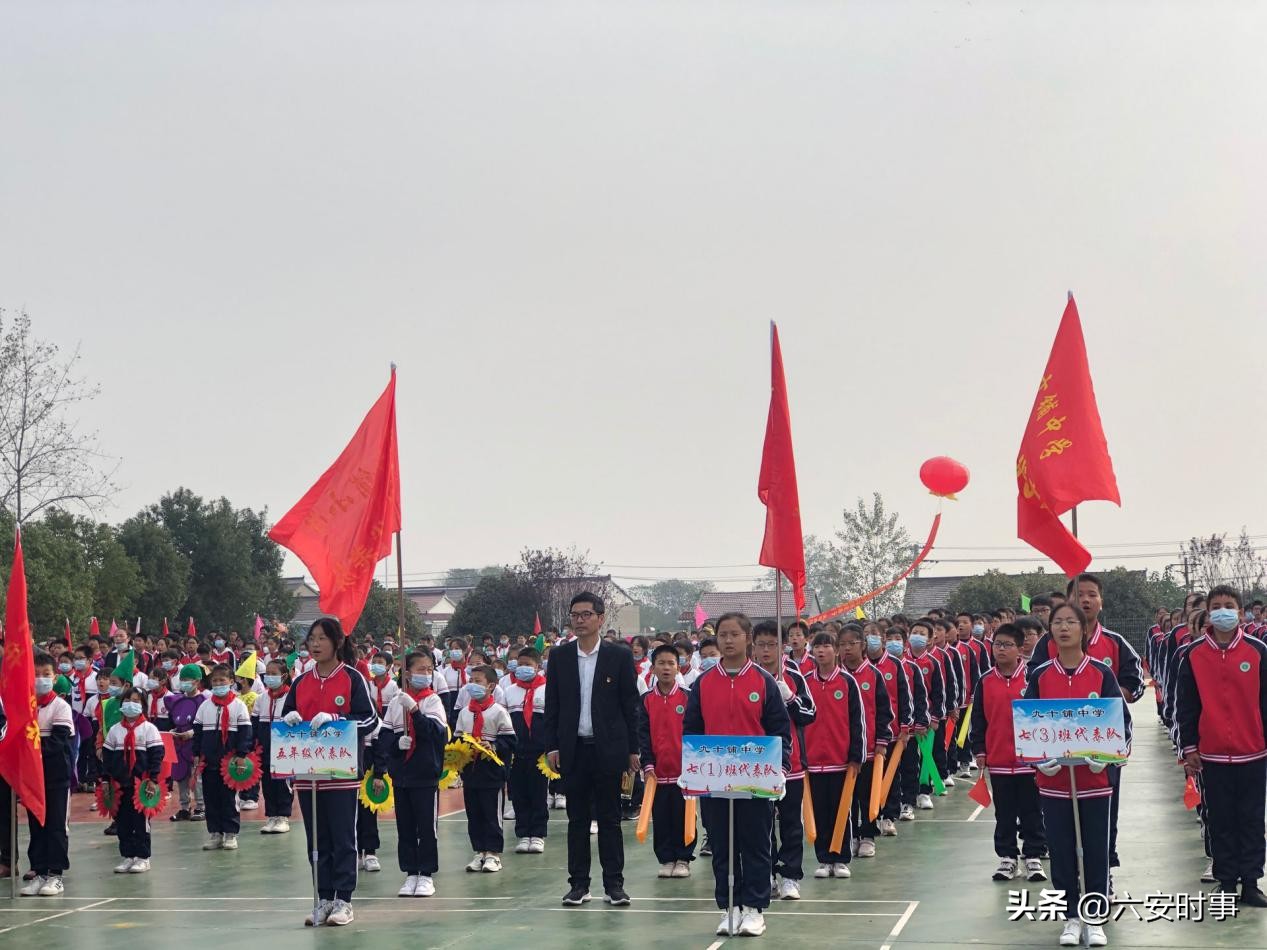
x=182 y=708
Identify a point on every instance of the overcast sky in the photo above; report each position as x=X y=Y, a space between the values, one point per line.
x=570 y=223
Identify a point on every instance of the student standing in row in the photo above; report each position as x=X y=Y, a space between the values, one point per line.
x=662 y=711
x=49 y=848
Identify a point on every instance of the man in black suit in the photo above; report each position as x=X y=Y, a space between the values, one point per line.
x=591 y=733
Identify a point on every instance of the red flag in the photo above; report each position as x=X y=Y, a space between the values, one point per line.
x=68 y=644
x=783 y=547
x=980 y=792
x=190 y=630
x=166 y=634
x=94 y=629
x=1064 y=458
x=20 y=760
x=1191 y=797
x=343 y=525
x=259 y=629
x=536 y=624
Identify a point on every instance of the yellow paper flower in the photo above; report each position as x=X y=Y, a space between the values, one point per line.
x=543 y=766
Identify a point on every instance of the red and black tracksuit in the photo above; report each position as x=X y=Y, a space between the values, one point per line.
x=743 y=703
x=788 y=829
x=836 y=738
x=938 y=705
x=1015 y=794
x=1221 y=714
x=877 y=712
x=660 y=717
x=897 y=684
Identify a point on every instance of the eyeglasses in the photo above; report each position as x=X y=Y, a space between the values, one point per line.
x=582 y=615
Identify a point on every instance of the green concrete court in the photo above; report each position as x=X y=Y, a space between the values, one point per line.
x=928 y=888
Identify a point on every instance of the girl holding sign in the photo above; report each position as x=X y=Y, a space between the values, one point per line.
x=332 y=690
x=1074 y=675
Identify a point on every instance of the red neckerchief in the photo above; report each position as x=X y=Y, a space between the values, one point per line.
x=156 y=699
x=417 y=697
x=223 y=703
x=46 y=698
x=273 y=697
x=129 y=740
x=82 y=676
x=460 y=666
x=476 y=709
x=529 y=689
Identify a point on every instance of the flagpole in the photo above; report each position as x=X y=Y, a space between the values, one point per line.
x=778 y=612
x=13 y=844
x=400 y=594
x=1074 y=512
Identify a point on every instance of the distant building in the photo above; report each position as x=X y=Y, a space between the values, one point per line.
x=757 y=604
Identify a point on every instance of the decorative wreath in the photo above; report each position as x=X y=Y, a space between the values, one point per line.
x=107 y=797
x=543 y=766
x=372 y=800
x=148 y=797
x=241 y=773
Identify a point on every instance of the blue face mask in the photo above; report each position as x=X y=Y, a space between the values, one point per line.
x=1224 y=619
x=377 y=669
x=113 y=690
x=151 y=685
x=272 y=681
x=525 y=674
x=420 y=680
x=476 y=691
x=918 y=641
x=81 y=664
x=221 y=691
x=43 y=685
x=873 y=642
x=64 y=667
x=188 y=686
x=219 y=644
x=303 y=654
x=131 y=710
x=978 y=629
x=512 y=665
x=707 y=663
x=894 y=647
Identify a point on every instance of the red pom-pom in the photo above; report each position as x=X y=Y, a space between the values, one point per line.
x=107 y=798
x=148 y=797
x=240 y=781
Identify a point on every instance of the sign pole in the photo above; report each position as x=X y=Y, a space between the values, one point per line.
x=730 y=871
x=316 y=899
x=13 y=844
x=1077 y=830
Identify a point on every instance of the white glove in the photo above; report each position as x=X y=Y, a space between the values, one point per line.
x=407 y=702
x=321 y=719
x=1049 y=768
x=292 y=718
x=405 y=742
x=1095 y=766
x=785 y=691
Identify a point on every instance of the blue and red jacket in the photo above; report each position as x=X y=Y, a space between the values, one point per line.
x=660 y=732
x=990 y=733
x=801 y=712
x=838 y=734
x=746 y=703
x=1108 y=647
x=343 y=695
x=897 y=684
x=1221 y=700
x=934 y=687
x=877 y=712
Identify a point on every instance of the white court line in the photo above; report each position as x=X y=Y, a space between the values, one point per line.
x=897 y=928
x=713 y=913
x=715 y=945
x=65 y=913
x=206 y=899
x=973 y=816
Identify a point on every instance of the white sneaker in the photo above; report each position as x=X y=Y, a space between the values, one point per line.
x=965 y=772
x=269 y=824
x=729 y=922
x=509 y=813
x=681 y=869
x=666 y=870
x=524 y=846
x=492 y=864
x=972 y=765
x=32 y=887
x=841 y=870
x=52 y=887
x=425 y=887
x=536 y=845
x=322 y=911
x=282 y=826
x=139 y=866
x=908 y=812
x=371 y=863
x=1096 y=936
x=477 y=862
x=949 y=781
x=1034 y=870
x=866 y=848
x=593 y=827
x=214 y=842
x=230 y=843
x=1207 y=876
x=407 y=889
x=560 y=802
x=888 y=828
x=1071 y=935
x=923 y=803
x=822 y=871
x=125 y=866
x=751 y=923
x=340 y=914
x=789 y=890
x=1006 y=870
x=249 y=805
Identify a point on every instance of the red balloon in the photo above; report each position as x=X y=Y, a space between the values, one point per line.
x=944 y=476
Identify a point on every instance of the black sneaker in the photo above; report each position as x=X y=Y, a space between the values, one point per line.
x=112 y=829
x=707 y=849
x=617 y=897
x=182 y=815
x=576 y=897
x=197 y=815
x=1251 y=896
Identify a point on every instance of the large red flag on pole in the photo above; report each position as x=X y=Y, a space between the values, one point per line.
x=20 y=759
x=783 y=546
x=343 y=526
x=1064 y=458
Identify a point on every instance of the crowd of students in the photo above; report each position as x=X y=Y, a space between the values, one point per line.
x=843 y=697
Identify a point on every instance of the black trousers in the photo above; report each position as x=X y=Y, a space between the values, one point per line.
x=860 y=810
x=593 y=796
x=6 y=819
x=335 y=840
x=528 y=788
x=484 y=818
x=1062 y=844
x=1236 y=794
x=133 y=828
x=219 y=802
x=49 y=848
x=668 y=825
x=826 y=788
x=1115 y=781
x=366 y=829
x=1016 y=807
x=907 y=779
x=279 y=797
x=939 y=750
x=752 y=864
x=417 y=811
x=787 y=832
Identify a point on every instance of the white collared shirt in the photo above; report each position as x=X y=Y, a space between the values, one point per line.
x=586 y=664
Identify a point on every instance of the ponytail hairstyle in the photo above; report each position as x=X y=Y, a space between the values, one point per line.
x=344 y=650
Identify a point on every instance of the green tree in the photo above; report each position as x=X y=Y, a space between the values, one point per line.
x=870 y=549
x=164 y=570
x=664 y=602
x=382 y=616
x=469 y=576
x=1136 y=595
x=986 y=592
x=505 y=603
